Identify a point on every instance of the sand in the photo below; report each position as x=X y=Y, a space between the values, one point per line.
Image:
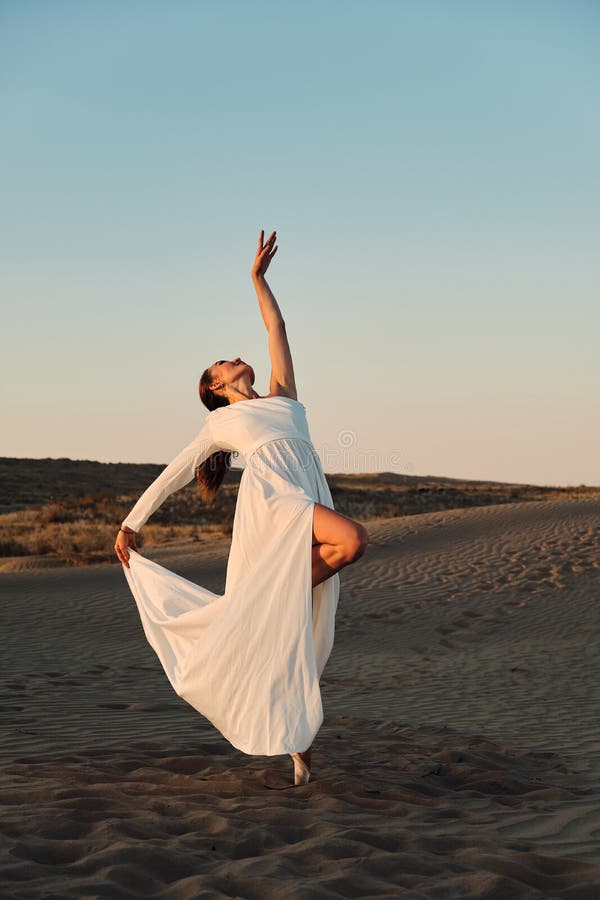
x=459 y=756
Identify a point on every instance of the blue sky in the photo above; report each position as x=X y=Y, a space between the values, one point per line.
x=431 y=170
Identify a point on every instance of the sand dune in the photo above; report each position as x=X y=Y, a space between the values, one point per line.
x=459 y=757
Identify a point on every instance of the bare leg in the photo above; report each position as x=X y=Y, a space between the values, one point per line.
x=337 y=542
x=325 y=562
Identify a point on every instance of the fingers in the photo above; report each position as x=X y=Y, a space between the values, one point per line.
x=122 y=557
x=262 y=247
x=122 y=554
x=264 y=254
x=267 y=250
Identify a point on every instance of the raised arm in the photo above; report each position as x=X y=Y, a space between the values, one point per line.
x=176 y=475
x=282 y=369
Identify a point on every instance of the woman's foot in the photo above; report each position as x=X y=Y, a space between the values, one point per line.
x=302 y=766
x=306 y=756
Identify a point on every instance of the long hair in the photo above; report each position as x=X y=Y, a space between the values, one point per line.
x=212 y=471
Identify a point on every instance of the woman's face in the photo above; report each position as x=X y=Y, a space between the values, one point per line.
x=229 y=370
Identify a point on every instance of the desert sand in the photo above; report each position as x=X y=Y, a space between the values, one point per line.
x=459 y=755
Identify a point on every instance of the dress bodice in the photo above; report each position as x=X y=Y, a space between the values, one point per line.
x=248 y=424
x=243 y=427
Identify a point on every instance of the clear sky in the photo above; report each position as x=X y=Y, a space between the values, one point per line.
x=431 y=169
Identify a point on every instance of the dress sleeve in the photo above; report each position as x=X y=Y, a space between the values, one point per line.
x=176 y=475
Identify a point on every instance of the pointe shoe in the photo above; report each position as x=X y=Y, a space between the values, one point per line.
x=301 y=770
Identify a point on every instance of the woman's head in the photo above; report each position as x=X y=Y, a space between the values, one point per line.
x=217 y=381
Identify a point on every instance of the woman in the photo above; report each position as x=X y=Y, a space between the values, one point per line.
x=250 y=660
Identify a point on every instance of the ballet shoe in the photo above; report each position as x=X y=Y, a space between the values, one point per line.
x=301 y=770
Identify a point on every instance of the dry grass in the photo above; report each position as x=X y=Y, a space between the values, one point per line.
x=79 y=541
x=68 y=511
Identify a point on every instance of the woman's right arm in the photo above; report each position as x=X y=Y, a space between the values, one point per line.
x=176 y=475
x=282 y=369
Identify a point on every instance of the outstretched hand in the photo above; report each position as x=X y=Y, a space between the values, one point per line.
x=125 y=540
x=264 y=254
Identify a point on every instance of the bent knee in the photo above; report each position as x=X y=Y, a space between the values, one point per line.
x=356 y=543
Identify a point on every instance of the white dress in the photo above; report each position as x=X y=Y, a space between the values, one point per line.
x=250 y=659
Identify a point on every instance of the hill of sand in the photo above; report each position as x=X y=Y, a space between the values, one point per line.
x=459 y=756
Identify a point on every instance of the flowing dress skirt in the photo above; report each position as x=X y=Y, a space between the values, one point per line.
x=250 y=660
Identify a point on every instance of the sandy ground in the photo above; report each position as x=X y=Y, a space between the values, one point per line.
x=459 y=756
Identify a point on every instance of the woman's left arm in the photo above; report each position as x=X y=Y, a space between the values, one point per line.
x=282 y=368
x=176 y=475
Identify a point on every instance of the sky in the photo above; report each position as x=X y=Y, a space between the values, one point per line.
x=431 y=169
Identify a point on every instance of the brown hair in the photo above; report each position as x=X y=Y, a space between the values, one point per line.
x=212 y=471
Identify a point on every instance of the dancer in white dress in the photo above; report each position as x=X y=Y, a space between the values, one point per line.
x=250 y=659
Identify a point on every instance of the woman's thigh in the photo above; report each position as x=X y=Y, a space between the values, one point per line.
x=331 y=527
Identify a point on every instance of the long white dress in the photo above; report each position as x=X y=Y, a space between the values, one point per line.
x=248 y=660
